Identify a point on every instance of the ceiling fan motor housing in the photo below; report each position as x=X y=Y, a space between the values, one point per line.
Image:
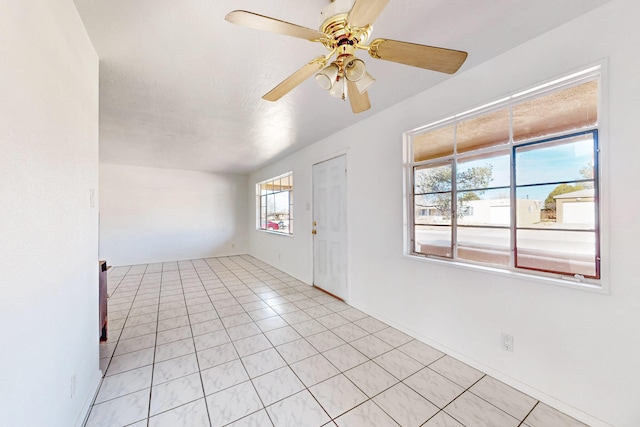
x=334 y=24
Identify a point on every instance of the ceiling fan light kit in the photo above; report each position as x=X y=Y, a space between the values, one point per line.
x=339 y=89
x=354 y=69
x=345 y=27
x=365 y=82
x=327 y=76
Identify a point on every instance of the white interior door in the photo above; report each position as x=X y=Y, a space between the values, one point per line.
x=330 y=225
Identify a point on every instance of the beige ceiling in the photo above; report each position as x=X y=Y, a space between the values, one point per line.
x=181 y=88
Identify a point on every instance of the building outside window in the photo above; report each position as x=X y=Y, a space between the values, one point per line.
x=513 y=185
x=275 y=204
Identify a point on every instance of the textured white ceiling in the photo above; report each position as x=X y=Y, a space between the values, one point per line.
x=181 y=88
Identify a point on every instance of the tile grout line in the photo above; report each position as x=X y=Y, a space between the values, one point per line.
x=153 y=362
x=238 y=276
x=115 y=348
x=195 y=349
x=529 y=413
x=239 y=357
x=457 y=397
x=303 y=337
x=262 y=333
x=113 y=354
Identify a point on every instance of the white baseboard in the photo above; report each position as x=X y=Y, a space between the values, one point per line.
x=500 y=376
x=86 y=406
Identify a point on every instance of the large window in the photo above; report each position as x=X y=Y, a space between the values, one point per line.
x=513 y=185
x=275 y=204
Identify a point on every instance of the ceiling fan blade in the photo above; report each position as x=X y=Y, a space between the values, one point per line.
x=295 y=79
x=418 y=55
x=265 y=23
x=359 y=101
x=365 y=12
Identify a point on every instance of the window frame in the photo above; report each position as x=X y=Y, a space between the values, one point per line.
x=597 y=283
x=259 y=204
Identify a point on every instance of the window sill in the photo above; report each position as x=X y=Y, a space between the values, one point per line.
x=277 y=233
x=550 y=279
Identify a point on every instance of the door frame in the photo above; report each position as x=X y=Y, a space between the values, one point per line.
x=334 y=155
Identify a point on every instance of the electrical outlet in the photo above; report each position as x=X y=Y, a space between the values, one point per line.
x=73 y=385
x=507 y=342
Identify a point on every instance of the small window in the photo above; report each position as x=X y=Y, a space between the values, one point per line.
x=513 y=185
x=275 y=204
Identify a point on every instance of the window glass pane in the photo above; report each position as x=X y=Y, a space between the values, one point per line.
x=560 y=160
x=271 y=205
x=433 y=240
x=489 y=245
x=538 y=193
x=281 y=203
x=563 y=206
x=576 y=210
x=560 y=251
x=433 y=208
x=572 y=108
x=263 y=212
x=281 y=211
x=433 y=144
x=483 y=131
x=483 y=172
x=529 y=212
x=486 y=207
x=276 y=200
x=433 y=179
x=562 y=174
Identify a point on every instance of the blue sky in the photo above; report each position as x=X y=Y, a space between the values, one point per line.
x=548 y=162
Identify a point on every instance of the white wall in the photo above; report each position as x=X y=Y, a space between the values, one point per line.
x=49 y=231
x=154 y=215
x=577 y=350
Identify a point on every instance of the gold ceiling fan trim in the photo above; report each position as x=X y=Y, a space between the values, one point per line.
x=338 y=31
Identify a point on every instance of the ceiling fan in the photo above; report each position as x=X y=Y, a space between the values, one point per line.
x=346 y=27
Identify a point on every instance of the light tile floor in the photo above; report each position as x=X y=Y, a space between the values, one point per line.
x=235 y=342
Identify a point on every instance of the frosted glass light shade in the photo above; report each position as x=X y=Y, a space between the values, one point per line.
x=365 y=82
x=326 y=78
x=339 y=89
x=354 y=69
